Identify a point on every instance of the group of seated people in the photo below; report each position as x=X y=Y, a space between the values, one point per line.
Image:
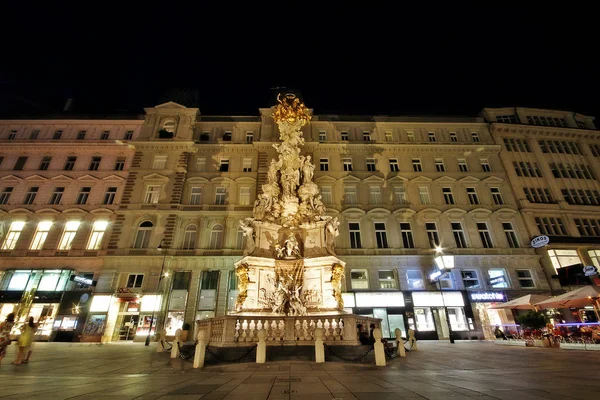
x=576 y=331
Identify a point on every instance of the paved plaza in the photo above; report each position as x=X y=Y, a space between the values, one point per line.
x=439 y=370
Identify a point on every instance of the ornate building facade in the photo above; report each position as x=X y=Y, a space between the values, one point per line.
x=405 y=189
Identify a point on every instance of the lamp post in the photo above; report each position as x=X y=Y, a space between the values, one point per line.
x=160 y=277
x=444 y=264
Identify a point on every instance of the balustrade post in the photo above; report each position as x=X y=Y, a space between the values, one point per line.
x=200 y=350
x=261 y=347
x=400 y=351
x=176 y=342
x=319 y=348
x=379 y=350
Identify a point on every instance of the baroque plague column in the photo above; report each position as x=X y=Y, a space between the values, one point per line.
x=289 y=265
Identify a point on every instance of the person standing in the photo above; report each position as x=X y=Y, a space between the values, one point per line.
x=25 y=340
x=5 y=328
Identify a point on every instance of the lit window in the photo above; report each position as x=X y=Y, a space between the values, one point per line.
x=498 y=278
x=424 y=195
x=98 y=229
x=152 y=194
x=195 y=196
x=19 y=280
x=68 y=235
x=216 y=237
x=142 y=236
x=41 y=233
x=387 y=280
x=189 y=237
x=220 y=195
x=10 y=241
x=244 y=196
x=415 y=279
x=359 y=279
x=159 y=162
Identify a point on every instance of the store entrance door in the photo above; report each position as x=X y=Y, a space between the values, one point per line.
x=441 y=323
x=128 y=327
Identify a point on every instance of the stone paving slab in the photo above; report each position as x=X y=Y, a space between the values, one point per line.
x=439 y=370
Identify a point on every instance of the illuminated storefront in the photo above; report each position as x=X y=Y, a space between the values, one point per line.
x=482 y=303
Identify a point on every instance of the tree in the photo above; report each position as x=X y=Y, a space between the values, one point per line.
x=532 y=319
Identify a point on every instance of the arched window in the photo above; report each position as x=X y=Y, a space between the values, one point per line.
x=169 y=126
x=142 y=237
x=216 y=237
x=189 y=237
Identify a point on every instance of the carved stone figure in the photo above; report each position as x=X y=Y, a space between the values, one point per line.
x=242 y=273
x=308 y=170
x=331 y=232
x=248 y=231
x=291 y=248
x=337 y=276
x=296 y=307
x=272 y=173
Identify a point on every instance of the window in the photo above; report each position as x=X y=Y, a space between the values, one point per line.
x=98 y=229
x=10 y=240
x=201 y=164
x=70 y=163
x=30 y=196
x=507 y=119
x=359 y=279
x=347 y=164
x=388 y=136
x=324 y=164
x=470 y=278
x=354 y=230
x=45 y=163
x=345 y=136
x=445 y=281
x=249 y=137
x=120 y=164
x=56 y=195
x=216 y=237
x=326 y=195
x=497 y=278
x=381 y=235
x=448 y=196
x=41 y=233
x=453 y=137
x=472 y=195
x=375 y=195
x=245 y=196
x=224 y=165
x=220 y=194
x=81 y=135
x=496 y=196
x=551 y=226
x=135 y=281
x=538 y=195
x=595 y=149
x=5 y=195
x=366 y=136
x=511 y=235
x=20 y=163
x=152 y=194
x=580 y=124
x=410 y=136
x=109 y=195
x=525 y=278
x=128 y=135
x=416 y=163
x=104 y=135
x=415 y=279
x=240 y=239
x=394 y=166
x=57 y=134
x=432 y=234
x=12 y=135
x=485 y=165
x=407 y=236
x=195 y=195
x=462 y=165
x=66 y=240
x=142 y=236
x=400 y=194
x=322 y=136
x=424 y=195
x=431 y=136
x=475 y=136
x=227 y=136
x=159 y=162
x=587 y=227
x=459 y=235
x=370 y=164
x=484 y=235
x=350 y=195
x=83 y=195
x=531 y=169
x=247 y=165
x=387 y=280
x=439 y=165
x=169 y=126
x=95 y=163
x=189 y=237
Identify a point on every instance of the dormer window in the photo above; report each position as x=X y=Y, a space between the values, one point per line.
x=227 y=136
x=167 y=131
x=169 y=126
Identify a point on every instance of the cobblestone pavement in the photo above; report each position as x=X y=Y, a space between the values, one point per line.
x=439 y=370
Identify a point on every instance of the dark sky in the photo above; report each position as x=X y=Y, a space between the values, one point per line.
x=449 y=60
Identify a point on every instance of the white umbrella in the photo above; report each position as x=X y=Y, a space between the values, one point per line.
x=581 y=297
x=526 y=302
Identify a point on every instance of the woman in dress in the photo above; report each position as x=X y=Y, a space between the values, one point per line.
x=25 y=340
x=5 y=328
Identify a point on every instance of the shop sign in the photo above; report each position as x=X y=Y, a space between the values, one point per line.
x=374 y=299
x=540 y=241
x=590 y=270
x=481 y=297
x=497 y=280
x=82 y=280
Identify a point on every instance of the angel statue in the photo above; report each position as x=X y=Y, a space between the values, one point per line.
x=248 y=232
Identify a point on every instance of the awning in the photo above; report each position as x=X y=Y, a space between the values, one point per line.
x=585 y=296
x=526 y=302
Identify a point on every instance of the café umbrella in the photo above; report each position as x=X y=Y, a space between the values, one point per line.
x=585 y=296
x=526 y=302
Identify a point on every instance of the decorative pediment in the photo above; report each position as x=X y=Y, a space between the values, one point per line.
x=445 y=179
x=378 y=211
x=325 y=180
x=61 y=178
x=421 y=179
x=505 y=213
x=353 y=213
x=87 y=178
x=427 y=215
x=245 y=180
x=46 y=211
x=170 y=104
x=398 y=180
x=197 y=180
x=493 y=180
x=222 y=180
x=480 y=213
x=35 y=178
x=74 y=211
x=102 y=211
x=469 y=180
x=20 y=211
x=350 y=179
x=155 y=177
x=113 y=178
x=455 y=213
x=404 y=214
x=11 y=178
x=374 y=179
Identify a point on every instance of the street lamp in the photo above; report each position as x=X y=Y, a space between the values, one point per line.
x=445 y=264
x=160 y=277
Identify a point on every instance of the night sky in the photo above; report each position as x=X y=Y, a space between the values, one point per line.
x=451 y=60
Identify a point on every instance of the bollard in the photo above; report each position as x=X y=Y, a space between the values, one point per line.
x=400 y=350
x=160 y=342
x=379 y=350
x=176 y=342
x=412 y=340
x=261 y=348
x=200 y=350
x=319 y=348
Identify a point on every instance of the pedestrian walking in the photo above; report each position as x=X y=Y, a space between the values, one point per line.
x=25 y=341
x=5 y=328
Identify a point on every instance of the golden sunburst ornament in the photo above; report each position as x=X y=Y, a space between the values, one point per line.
x=291 y=110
